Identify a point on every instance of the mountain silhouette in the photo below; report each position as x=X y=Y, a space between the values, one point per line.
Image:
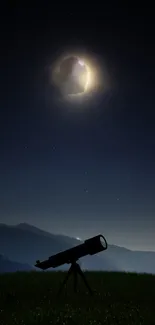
x=25 y=243
x=11 y=266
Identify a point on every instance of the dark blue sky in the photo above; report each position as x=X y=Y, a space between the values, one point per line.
x=88 y=170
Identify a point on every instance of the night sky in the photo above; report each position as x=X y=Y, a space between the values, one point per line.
x=79 y=169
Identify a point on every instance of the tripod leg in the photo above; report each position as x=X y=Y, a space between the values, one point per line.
x=75 y=280
x=65 y=280
x=84 y=280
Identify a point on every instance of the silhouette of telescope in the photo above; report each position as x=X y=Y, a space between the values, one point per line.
x=90 y=246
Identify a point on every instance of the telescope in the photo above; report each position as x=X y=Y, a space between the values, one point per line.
x=90 y=246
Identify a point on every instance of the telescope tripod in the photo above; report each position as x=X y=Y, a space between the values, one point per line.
x=75 y=270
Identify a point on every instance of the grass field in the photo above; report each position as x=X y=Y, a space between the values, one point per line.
x=119 y=298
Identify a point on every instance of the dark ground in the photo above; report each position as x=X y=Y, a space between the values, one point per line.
x=119 y=298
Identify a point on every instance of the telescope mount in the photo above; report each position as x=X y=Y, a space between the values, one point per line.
x=75 y=269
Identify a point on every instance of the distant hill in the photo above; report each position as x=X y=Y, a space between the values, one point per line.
x=132 y=261
x=11 y=266
x=25 y=244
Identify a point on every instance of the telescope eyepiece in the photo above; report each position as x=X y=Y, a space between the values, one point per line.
x=103 y=242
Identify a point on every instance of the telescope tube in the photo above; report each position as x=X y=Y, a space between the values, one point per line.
x=89 y=247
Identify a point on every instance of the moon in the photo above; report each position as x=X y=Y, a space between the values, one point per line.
x=76 y=76
x=73 y=76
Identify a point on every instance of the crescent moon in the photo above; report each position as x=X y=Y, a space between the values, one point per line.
x=90 y=79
